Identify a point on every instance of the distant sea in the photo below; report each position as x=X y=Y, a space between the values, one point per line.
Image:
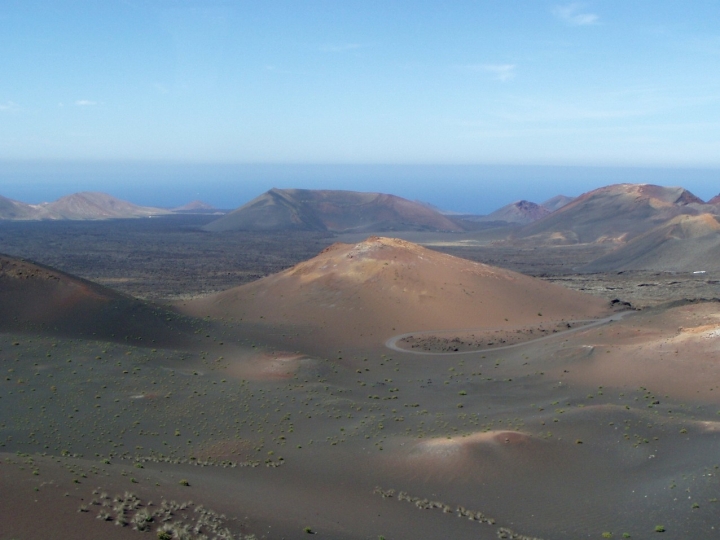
x=473 y=189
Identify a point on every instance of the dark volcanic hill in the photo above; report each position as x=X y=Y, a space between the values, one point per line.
x=520 y=212
x=684 y=244
x=331 y=210
x=41 y=299
x=615 y=213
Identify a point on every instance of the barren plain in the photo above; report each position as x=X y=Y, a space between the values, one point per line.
x=234 y=416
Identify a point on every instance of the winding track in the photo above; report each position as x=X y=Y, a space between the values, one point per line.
x=392 y=342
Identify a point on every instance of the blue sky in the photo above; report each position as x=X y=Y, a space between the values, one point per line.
x=532 y=83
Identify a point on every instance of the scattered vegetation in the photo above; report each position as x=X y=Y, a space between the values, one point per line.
x=170 y=519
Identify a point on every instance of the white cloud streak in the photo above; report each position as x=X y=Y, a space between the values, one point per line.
x=500 y=72
x=342 y=47
x=85 y=103
x=572 y=15
x=9 y=106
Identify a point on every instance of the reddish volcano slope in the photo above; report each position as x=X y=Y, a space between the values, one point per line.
x=685 y=243
x=40 y=299
x=381 y=287
x=614 y=213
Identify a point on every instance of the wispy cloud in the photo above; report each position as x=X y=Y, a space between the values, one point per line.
x=573 y=14
x=342 y=47
x=85 y=103
x=500 y=72
x=597 y=110
x=270 y=68
x=9 y=106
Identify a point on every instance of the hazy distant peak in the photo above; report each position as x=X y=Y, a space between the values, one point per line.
x=557 y=202
x=437 y=209
x=95 y=205
x=525 y=204
x=521 y=212
x=86 y=205
x=194 y=205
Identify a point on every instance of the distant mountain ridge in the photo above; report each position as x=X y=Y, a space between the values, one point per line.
x=615 y=213
x=88 y=205
x=519 y=212
x=333 y=211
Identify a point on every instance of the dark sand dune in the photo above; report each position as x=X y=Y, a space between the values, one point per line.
x=37 y=298
x=685 y=243
x=614 y=213
x=368 y=292
x=331 y=210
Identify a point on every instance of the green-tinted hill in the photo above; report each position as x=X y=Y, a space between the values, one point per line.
x=332 y=210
